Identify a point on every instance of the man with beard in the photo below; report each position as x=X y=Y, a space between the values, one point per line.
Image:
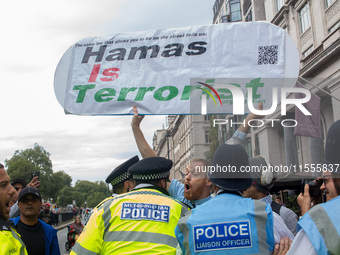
x=10 y=240
x=197 y=187
x=228 y=223
x=319 y=227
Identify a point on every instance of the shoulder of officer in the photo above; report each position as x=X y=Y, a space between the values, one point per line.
x=4 y=225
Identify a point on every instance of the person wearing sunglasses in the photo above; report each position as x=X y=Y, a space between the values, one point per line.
x=319 y=228
x=18 y=184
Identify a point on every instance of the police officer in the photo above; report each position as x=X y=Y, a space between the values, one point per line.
x=319 y=228
x=228 y=223
x=120 y=180
x=10 y=240
x=141 y=221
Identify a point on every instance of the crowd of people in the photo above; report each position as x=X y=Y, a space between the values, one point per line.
x=215 y=214
x=211 y=212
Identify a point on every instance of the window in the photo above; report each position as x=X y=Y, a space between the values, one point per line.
x=304 y=18
x=224 y=19
x=279 y=4
x=308 y=51
x=235 y=8
x=207 y=117
x=329 y=3
x=206 y=134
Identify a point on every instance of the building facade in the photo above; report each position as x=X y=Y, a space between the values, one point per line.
x=314 y=26
x=185 y=138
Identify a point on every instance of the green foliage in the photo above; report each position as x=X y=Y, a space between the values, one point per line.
x=213 y=139
x=95 y=198
x=66 y=196
x=35 y=159
x=55 y=186
x=291 y=203
x=91 y=192
x=59 y=180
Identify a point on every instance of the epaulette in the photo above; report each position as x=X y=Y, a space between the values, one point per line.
x=4 y=225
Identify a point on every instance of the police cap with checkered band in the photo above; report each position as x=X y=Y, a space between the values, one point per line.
x=120 y=173
x=153 y=168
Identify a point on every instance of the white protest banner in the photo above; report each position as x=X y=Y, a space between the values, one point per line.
x=166 y=71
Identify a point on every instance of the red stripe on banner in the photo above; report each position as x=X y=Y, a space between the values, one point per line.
x=213 y=90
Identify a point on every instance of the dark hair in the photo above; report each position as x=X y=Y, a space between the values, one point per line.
x=153 y=182
x=336 y=181
x=118 y=188
x=1 y=166
x=19 y=180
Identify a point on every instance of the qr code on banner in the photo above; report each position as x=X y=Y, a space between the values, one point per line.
x=268 y=55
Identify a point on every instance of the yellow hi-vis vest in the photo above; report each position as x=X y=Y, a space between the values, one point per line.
x=10 y=241
x=138 y=222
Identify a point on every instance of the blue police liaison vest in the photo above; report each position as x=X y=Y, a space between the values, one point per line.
x=227 y=224
x=322 y=226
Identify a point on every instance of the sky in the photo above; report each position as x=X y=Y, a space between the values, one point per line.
x=35 y=35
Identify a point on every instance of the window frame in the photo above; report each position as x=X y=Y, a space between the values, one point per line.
x=304 y=18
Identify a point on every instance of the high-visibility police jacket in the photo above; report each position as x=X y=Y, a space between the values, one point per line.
x=227 y=224
x=87 y=217
x=139 y=222
x=322 y=226
x=10 y=241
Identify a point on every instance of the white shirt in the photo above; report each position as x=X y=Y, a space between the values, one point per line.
x=280 y=229
x=301 y=245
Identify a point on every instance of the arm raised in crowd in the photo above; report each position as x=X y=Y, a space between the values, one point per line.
x=143 y=147
x=35 y=183
x=251 y=116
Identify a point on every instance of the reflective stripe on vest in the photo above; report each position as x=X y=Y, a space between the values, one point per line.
x=17 y=237
x=78 y=249
x=10 y=241
x=326 y=229
x=200 y=231
x=160 y=235
x=261 y=220
x=183 y=227
x=136 y=236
